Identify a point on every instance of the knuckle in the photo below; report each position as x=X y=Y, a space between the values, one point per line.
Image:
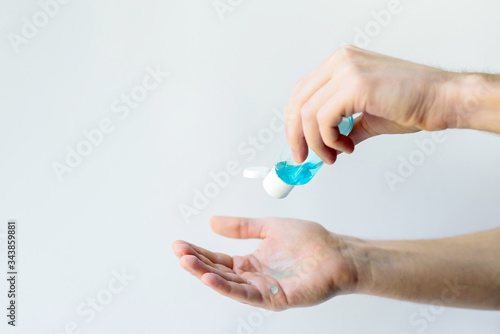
x=349 y=52
x=307 y=111
x=359 y=81
x=322 y=117
x=307 y=116
x=299 y=85
x=296 y=97
x=351 y=69
x=327 y=118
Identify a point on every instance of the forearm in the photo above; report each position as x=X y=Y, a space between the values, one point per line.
x=461 y=271
x=474 y=101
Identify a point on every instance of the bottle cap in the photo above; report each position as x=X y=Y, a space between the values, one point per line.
x=255 y=172
x=275 y=186
x=272 y=183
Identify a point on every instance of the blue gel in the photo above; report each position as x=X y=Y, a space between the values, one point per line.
x=297 y=174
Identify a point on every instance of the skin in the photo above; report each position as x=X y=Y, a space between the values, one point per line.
x=393 y=96
x=314 y=271
x=299 y=263
x=461 y=271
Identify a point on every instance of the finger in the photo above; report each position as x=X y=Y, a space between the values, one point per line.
x=197 y=268
x=295 y=137
x=367 y=126
x=238 y=227
x=315 y=142
x=329 y=117
x=310 y=122
x=244 y=293
x=303 y=90
x=215 y=258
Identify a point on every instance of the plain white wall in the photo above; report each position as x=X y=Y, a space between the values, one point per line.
x=119 y=208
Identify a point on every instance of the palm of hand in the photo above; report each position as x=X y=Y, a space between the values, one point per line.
x=298 y=263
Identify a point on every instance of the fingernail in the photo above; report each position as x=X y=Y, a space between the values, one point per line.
x=295 y=156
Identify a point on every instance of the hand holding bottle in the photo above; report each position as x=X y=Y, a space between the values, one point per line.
x=393 y=95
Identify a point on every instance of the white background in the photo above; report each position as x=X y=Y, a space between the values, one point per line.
x=119 y=209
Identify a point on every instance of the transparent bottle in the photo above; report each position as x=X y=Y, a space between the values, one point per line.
x=287 y=173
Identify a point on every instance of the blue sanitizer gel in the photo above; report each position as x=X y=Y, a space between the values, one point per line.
x=297 y=174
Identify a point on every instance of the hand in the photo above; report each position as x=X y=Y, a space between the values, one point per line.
x=298 y=263
x=393 y=95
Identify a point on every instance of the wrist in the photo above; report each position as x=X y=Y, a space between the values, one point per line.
x=357 y=254
x=473 y=101
x=375 y=265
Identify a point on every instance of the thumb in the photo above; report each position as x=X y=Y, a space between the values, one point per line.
x=366 y=126
x=361 y=130
x=238 y=227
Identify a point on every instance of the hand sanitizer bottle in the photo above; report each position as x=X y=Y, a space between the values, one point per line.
x=287 y=174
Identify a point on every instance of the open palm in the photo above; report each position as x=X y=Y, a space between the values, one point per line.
x=298 y=263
